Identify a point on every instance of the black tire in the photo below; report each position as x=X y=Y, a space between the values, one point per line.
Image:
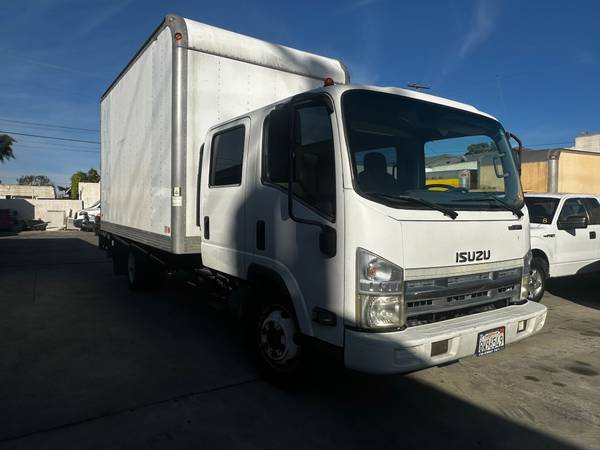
x=280 y=355
x=142 y=272
x=537 y=279
x=119 y=257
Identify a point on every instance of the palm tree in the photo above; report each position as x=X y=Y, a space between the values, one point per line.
x=6 y=151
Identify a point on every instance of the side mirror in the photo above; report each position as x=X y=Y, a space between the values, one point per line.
x=572 y=222
x=516 y=151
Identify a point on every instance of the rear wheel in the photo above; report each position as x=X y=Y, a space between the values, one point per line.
x=280 y=354
x=537 y=279
x=142 y=272
x=119 y=257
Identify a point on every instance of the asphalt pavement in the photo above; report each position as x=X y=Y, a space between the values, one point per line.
x=87 y=363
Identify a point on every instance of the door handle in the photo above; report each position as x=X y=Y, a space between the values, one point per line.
x=592 y=235
x=260 y=235
x=206 y=227
x=549 y=235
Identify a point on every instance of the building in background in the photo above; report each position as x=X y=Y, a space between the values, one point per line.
x=561 y=170
x=89 y=193
x=587 y=142
x=27 y=191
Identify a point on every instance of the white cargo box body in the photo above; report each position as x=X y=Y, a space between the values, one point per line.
x=186 y=78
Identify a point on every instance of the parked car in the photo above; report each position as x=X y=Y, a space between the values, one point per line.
x=565 y=237
x=84 y=218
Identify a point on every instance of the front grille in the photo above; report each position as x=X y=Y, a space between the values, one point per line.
x=422 y=319
x=438 y=299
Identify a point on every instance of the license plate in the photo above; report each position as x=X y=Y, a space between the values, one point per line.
x=490 y=341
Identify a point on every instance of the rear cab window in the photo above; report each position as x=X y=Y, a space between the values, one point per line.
x=541 y=209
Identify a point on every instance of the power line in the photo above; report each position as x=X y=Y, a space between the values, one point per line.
x=46 y=143
x=64 y=127
x=50 y=137
x=550 y=143
x=63 y=149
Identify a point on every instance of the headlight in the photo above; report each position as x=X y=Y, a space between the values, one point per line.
x=525 y=277
x=379 y=298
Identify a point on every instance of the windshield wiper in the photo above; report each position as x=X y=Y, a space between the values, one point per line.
x=516 y=211
x=407 y=198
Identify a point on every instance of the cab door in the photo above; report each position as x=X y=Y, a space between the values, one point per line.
x=308 y=244
x=222 y=209
x=575 y=248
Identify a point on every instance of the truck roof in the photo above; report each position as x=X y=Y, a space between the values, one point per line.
x=340 y=88
x=196 y=36
x=416 y=95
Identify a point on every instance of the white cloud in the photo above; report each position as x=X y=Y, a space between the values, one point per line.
x=98 y=19
x=357 y=4
x=484 y=23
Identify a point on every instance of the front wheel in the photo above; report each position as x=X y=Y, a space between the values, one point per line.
x=279 y=351
x=537 y=279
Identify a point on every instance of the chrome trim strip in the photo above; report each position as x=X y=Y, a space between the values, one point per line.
x=448 y=271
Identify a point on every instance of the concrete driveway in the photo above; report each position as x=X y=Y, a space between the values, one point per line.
x=86 y=363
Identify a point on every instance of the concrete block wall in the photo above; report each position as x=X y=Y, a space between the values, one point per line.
x=54 y=211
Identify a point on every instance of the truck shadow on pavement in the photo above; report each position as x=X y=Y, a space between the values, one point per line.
x=581 y=289
x=85 y=362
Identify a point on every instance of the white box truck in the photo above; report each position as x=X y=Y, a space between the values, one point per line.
x=307 y=199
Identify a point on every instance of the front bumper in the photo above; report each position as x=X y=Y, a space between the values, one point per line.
x=410 y=349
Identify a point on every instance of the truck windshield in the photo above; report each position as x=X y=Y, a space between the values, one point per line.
x=541 y=209
x=406 y=147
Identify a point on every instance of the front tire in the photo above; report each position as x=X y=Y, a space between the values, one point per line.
x=537 y=279
x=279 y=352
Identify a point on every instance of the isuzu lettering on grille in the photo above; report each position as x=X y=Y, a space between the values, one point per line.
x=475 y=255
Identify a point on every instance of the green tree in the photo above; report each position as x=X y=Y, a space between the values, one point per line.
x=91 y=176
x=483 y=147
x=35 y=180
x=6 y=151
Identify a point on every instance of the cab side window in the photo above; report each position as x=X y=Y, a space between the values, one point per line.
x=572 y=207
x=227 y=154
x=313 y=180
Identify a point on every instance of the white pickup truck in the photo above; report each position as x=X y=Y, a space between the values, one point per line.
x=564 y=237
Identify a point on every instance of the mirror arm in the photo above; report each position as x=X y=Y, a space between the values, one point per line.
x=510 y=135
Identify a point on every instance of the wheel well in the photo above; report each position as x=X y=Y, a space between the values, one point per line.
x=261 y=276
x=537 y=253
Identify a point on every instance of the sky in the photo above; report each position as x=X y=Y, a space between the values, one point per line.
x=534 y=65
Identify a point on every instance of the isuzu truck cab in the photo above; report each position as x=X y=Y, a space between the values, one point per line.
x=330 y=216
x=362 y=252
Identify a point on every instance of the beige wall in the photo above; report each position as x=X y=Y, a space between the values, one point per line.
x=53 y=211
x=534 y=176
x=579 y=173
x=25 y=191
